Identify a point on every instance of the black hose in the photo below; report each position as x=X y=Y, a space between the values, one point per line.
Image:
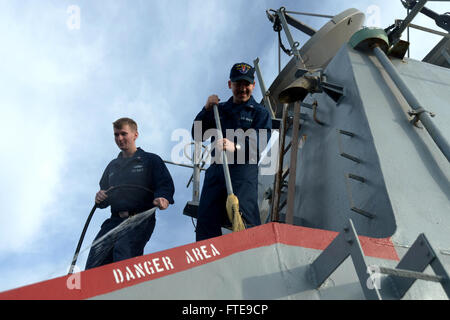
x=83 y=233
x=75 y=256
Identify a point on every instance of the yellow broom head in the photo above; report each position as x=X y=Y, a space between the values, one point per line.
x=233 y=213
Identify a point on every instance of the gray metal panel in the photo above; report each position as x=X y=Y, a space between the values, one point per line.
x=416 y=173
x=412 y=174
x=398 y=159
x=273 y=272
x=418 y=112
x=326 y=198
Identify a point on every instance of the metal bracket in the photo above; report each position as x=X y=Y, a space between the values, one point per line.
x=409 y=269
x=413 y=263
x=334 y=91
x=441 y=20
x=416 y=113
x=344 y=245
x=395 y=34
x=299 y=25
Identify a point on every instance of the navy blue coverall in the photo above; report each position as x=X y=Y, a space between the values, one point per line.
x=143 y=169
x=244 y=177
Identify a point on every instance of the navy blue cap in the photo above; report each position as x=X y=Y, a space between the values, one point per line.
x=242 y=71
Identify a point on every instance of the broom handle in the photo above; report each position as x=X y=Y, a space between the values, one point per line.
x=224 y=156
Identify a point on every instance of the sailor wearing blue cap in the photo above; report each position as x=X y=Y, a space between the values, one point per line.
x=241 y=114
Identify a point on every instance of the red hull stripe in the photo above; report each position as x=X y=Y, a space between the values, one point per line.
x=130 y=272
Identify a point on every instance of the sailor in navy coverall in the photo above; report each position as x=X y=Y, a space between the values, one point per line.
x=241 y=111
x=133 y=167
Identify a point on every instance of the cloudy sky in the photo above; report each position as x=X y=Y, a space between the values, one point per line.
x=69 y=68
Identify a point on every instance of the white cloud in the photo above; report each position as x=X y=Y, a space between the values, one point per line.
x=30 y=168
x=39 y=73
